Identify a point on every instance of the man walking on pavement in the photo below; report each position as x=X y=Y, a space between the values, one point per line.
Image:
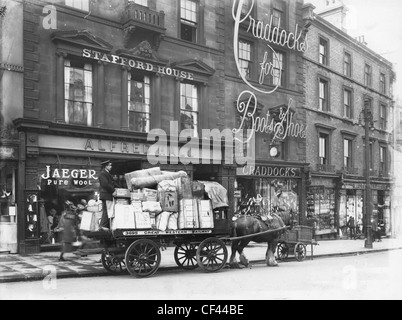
x=351 y=226
x=106 y=192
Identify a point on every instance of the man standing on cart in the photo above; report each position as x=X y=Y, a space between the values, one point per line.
x=106 y=191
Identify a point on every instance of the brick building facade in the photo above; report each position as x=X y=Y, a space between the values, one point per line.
x=100 y=75
x=344 y=73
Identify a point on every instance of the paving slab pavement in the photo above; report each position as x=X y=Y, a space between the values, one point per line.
x=35 y=267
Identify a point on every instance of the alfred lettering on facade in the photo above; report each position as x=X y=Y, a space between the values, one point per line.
x=136 y=64
x=65 y=177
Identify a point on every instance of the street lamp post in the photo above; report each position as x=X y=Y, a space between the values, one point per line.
x=368 y=120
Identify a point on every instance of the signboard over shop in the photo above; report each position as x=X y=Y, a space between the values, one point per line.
x=269 y=171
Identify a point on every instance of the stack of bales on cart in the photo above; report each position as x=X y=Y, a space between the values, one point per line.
x=165 y=200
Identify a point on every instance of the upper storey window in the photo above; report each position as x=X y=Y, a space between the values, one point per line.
x=323 y=58
x=188 y=20
x=78 y=93
x=139 y=103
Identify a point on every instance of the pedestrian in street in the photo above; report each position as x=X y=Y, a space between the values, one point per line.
x=106 y=191
x=352 y=227
x=67 y=228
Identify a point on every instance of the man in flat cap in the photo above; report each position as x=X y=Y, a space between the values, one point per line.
x=106 y=193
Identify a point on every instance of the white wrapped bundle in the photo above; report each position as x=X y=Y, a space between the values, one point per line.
x=162 y=220
x=152 y=181
x=173 y=221
x=124 y=217
x=141 y=174
x=151 y=206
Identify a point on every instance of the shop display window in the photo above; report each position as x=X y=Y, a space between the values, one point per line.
x=31 y=215
x=351 y=204
x=321 y=209
x=264 y=196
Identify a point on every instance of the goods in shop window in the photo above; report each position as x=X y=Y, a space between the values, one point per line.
x=94 y=206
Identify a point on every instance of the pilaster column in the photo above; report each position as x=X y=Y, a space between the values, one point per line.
x=100 y=101
x=60 y=104
x=156 y=116
x=124 y=98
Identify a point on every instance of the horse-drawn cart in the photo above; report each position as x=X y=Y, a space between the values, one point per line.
x=139 y=251
x=295 y=241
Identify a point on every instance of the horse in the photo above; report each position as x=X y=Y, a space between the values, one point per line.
x=248 y=225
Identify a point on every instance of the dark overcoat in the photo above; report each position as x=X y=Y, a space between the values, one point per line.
x=106 y=185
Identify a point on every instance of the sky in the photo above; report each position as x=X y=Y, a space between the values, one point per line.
x=381 y=24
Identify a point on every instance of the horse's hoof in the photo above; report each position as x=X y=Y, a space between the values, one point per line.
x=235 y=266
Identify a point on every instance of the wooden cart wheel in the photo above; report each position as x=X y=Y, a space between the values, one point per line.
x=300 y=251
x=112 y=263
x=143 y=258
x=212 y=255
x=282 y=250
x=185 y=256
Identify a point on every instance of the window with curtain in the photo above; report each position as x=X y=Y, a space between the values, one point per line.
x=347 y=64
x=347 y=104
x=139 y=103
x=78 y=4
x=245 y=58
x=188 y=20
x=278 y=69
x=78 y=93
x=323 y=95
x=323 y=148
x=189 y=107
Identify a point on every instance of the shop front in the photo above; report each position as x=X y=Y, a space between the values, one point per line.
x=8 y=217
x=352 y=205
x=321 y=207
x=266 y=188
x=60 y=168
